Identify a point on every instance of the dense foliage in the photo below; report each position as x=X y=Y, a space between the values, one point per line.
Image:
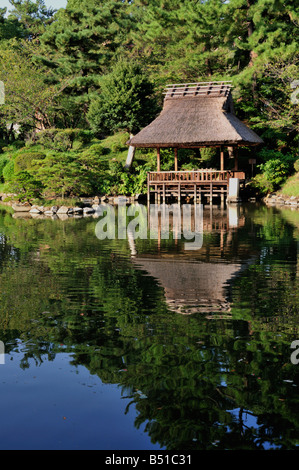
x=100 y=66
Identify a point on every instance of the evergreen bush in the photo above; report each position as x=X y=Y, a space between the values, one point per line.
x=26 y=160
x=8 y=170
x=3 y=161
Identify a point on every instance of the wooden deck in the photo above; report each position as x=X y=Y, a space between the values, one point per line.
x=190 y=184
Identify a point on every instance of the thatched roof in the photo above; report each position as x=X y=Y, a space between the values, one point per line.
x=196 y=115
x=191 y=287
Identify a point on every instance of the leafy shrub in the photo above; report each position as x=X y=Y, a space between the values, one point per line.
x=3 y=161
x=13 y=146
x=119 y=181
x=296 y=165
x=96 y=150
x=92 y=163
x=45 y=138
x=26 y=160
x=115 y=167
x=105 y=184
x=136 y=183
x=207 y=153
x=291 y=186
x=8 y=170
x=275 y=171
x=116 y=147
x=261 y=184
x=126 y=100
x=63 y=139
x=123 y=139
x=25 y=185
x=84 y=136
x=266 y=154
x=187 y=166
x=62 y=174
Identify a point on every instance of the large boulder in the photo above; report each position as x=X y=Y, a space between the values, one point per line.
x=36 y=210
x=63 y=210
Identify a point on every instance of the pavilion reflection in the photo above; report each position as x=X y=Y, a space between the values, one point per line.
x=196 y=281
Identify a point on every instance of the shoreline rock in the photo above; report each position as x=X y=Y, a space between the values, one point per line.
x=277 y=199
x=88 y=206
x=63 y=210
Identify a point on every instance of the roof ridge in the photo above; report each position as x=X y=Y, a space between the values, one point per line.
x=218 y=88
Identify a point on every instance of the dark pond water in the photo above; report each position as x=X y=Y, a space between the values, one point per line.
x=145 y=344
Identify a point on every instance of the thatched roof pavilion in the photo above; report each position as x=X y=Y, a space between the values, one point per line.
x=196 y=115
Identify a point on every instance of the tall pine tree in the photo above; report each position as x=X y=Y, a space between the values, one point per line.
x=9 y=27
x=82 y=42
x=182 y=40
x=261 y=31
x=33 y=16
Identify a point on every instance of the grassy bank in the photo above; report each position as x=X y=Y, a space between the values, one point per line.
x=291 y=186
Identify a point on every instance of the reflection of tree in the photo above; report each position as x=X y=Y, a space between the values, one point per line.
x=38 y=352
x=202 y=388
x=186 y=391
x=195 y=383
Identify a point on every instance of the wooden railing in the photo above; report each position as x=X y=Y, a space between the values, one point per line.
x=194 y=176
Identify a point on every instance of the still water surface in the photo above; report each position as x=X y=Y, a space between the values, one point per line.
x=121 y=344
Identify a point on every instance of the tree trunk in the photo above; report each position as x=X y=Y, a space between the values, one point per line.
x=252 y=54
x=10 y=131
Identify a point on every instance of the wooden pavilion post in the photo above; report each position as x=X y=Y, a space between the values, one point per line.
x=236 y=158
x=221 y=158
x=158 y=160
x=175 y=159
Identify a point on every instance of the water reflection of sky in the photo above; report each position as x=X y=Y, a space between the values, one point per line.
x=60 y=406
x=251 y=421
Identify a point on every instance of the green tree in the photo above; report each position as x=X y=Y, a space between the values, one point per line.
x=280 y=111
x=205 y=48
x=155 y=30
x=264 y=34
x=32 y=16
x=262 y=31
x=25 y=185
x=9 y=27
x=29 y=99
x=182 y=40
x=62 y=175
x=82 y=42
x=125 y=101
